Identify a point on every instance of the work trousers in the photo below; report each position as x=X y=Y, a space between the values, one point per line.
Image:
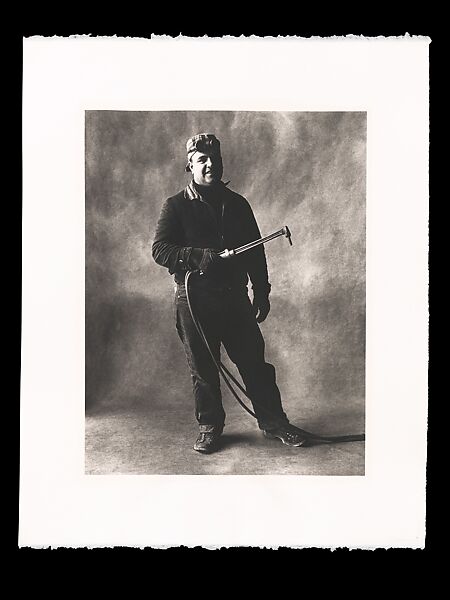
x=227 y=318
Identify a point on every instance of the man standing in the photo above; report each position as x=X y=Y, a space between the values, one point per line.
x=194 y=226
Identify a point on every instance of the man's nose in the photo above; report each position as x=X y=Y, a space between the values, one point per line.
x=208 y=162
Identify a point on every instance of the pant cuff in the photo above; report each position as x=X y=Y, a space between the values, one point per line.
x=268 y=425
x=211 y=428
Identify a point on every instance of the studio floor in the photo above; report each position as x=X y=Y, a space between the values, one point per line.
x=145 y=441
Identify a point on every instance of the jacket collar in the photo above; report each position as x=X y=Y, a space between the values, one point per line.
x=191 y=193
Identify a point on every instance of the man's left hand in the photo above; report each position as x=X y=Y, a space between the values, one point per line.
x=261 y=307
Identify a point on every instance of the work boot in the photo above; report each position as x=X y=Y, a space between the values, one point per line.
x=208 y=439
x=287 y=437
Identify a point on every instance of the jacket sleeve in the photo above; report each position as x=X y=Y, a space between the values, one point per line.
x=167 y=248
x=256 y=257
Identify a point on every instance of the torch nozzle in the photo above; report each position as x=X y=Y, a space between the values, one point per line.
x=287 y=233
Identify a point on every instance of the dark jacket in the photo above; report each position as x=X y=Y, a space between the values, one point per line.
x=187 y=221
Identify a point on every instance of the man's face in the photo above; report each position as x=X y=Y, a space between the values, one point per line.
x=206 y=168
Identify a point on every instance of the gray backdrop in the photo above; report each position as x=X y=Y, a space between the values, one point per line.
x=304 y=170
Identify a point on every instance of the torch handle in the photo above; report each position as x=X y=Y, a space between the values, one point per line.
x=283 y=231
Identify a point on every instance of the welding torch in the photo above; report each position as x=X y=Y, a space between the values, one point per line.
x=283 y=231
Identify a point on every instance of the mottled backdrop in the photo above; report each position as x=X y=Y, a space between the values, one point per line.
x=301 y=169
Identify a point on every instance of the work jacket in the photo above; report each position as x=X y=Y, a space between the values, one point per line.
x=187 y=221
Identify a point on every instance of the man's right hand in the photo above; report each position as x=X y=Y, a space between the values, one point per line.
x=203 y=259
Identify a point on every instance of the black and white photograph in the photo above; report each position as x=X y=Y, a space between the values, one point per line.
x=245 y=246
x=224 y=292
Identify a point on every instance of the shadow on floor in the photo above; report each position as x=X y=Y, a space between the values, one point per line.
x=145 y=441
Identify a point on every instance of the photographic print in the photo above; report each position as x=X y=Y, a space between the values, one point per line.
x=168 y=193
x=225 y=288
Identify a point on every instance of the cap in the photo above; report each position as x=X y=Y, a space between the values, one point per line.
x=202 y=142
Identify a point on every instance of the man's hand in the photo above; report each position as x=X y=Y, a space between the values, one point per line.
x=203 y=259
x=261 y=307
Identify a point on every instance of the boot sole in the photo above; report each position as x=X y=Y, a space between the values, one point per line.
x=209 y=450
x=270 y=436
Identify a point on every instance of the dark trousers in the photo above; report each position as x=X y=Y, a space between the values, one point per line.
x=227 y=318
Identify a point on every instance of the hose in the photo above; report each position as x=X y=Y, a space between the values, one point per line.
x=311 y=438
